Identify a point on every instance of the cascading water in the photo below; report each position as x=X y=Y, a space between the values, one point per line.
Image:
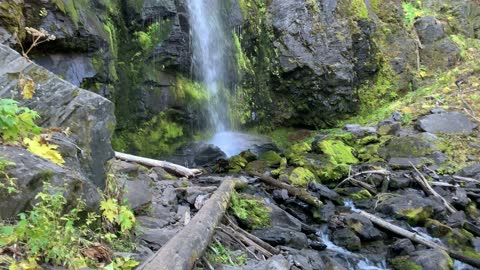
x=208 y=46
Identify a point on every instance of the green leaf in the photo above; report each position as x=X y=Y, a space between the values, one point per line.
x=110 y=209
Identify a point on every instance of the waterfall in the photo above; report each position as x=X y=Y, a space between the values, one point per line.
x=209 y=49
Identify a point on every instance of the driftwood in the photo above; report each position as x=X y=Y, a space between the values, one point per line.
x=168 y=166
x=417 y=238
x=297 y=192
x=185 y=248
x=466 y=179
x=430 y=191
x=242 y=238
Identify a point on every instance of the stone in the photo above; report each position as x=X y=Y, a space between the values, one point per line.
x=399 y=180
x=429 y=29
x=124 y=167
x=156 y=238
x=431 y=259
x=456 y=219
x=198 y=154
x=364 y=227
x=151 y=222
x=306 y=259
x=277 y=236
x=448 y=123
x=301 y=177
x=30 y=172
x=401 y=247
x=407 y=147
x=138 y=193
x=88 y=116
x=73 y=67
x=412 y=206
x=280 y=218
x=271 y=158
x=359 y=131
x=403 y=163
x=325 y=193
x=472 y=171
x=276 y=262
x=388 y=128
x=346 y=238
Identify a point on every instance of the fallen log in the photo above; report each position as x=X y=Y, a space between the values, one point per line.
x=168 y=166
x=429 y=190
x=417 y=238
x=185 y=248
x=297 y=192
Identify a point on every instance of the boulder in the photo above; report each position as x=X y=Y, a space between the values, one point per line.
x=30 y=172
x=360 y=131
x=88 y=116
x=278 y=236
x=347 y=238
x=426 y=259
x=137 y=192
x=407 y=147
x=363 y=227
x=472 y=171
x=429 y=29
x=448 y=123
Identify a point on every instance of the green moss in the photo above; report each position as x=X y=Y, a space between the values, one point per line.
x=236 y=164
x=282 y=169
x=258 y=166
x=301 y=177
x=250 y=211
x=404 y=263
x=111 y=33
x=243 y=63
x=70 y=9
x=337 y=152
x=458 y=149
x=359 y=9
x=417 y=216
x=154 y=34
x=271 y=158
x=361 y=195
x=191 y=91
x=155 y=138
x=296 y=153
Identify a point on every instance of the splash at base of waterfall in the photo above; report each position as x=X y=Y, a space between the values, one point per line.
x=233 y=143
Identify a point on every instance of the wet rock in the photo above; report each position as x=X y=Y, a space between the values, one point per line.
x=363 y=228
x=198 y=154
x=305 y=259
x=359 y=131
x=277 y=262
x=301 y=177
x=327 y=211
x=124 y=167
x=412 y=206
x=162 y=174
x=89 y=116
x=277 y=236
x=280 y=218
x=399 y=180
x=332 y=263
x=156 y=238
x=151 y=222
x=406 y=163
x=456 y=219
x=401 y=247
x=429 y=29
x=346 y=238
x=426 y=259
x=448 y=123
x=472 y=171
x=317 y=245
x=138 y=193
x=325 y=193
x=271 y=158
x=388 y=128
x=407 y=147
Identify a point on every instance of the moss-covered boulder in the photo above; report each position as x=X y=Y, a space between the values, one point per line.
x=271 y=158
x=281 y=170
x=407 y=147
x=296 y=153
x=236 y=164
x=252 y=212
x=337 y=152
x=257 y=166
x=425 y=259
x=301 y=177
x=361 y=195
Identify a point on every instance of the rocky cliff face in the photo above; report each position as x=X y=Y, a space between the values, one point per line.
x=293 y=62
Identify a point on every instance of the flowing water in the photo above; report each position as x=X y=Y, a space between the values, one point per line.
x=208 y=46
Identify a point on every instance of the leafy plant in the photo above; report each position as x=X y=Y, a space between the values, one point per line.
x=219 y=254
x=411 y=13
x=9 y=184
x=41 y=148
x=16 y=122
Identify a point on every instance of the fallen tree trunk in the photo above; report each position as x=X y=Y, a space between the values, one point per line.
x=417 y=238
x=184 y=249
x=168 y=166
x=302 y=194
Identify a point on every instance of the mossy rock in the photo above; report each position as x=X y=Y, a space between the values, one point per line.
x=236 y=164
x=417 y=216
x=337 y=152
x=251 y=212
x=281 y=170
x=436 y=228
x=403 y=263
x=296 y=153
x=328 y=172
x=407 y=147
x=271 y=158
x=301 y=177
x=248 y=156
x=361 y=195
x=258 y=166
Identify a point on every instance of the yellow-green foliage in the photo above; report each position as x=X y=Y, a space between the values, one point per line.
x=411 y=12
x=110 y=30
x=301 y=177
x=243 y=63
x=16 y=122
x=337 y=152
x=359 y=9
x=220 y=254
x=251 y=211
x=191 y=91
x=159 y=136
x=361 y=195
x=154 y=34
x=403 y=263
x=37 y=146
